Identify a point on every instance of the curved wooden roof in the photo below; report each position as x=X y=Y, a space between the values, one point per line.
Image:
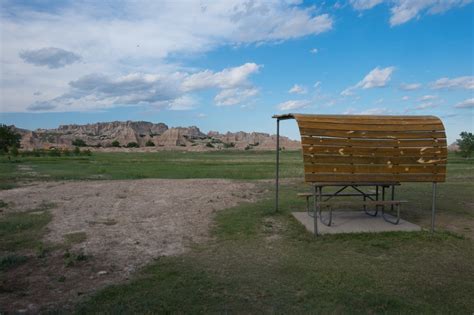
x=363 y=148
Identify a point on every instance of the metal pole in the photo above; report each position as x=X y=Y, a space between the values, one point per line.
x=393 y=196
x=315 y=213
x=433 y=208
x=277 y=163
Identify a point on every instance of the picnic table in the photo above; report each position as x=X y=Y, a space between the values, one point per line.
x=355 y=151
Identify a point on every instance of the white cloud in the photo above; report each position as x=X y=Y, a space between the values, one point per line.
x=348 y=92
x=137 y=37
x=298 y=89
x=428 y=98
x=314 y=51
x=235 y=96
x=375 y=111
x=293 y=104
x=184 y=102
x=364 y=4
x=403 y=11
x=378 y=77
x=468 y=103
x=170 y=91
x=50 y=57
x=410 y=86
x=427 y=105
x=466 y=82
x=379 y=101
x=317 y=84
x=369 y=111
x=225 y=79
x=405 y=98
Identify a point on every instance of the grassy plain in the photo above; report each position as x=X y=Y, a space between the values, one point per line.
x=262 y=261
x=164 y=164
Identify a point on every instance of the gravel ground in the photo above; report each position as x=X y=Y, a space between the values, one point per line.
x=127 y=224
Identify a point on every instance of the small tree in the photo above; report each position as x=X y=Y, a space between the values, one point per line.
x=77 y=151
x=150 y=143
x=79 y=143
x=466 y=144
x=8 y=138
x=115 y=144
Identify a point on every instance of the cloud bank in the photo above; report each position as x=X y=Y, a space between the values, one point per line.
x=132 y=48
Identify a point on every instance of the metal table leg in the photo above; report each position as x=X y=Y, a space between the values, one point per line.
x=320 y=210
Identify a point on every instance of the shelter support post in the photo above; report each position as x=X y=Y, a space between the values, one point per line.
x=433 y=208
x=277 y=164
x=316 y=207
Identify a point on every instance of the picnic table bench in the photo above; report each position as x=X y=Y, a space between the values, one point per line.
x=354 y=151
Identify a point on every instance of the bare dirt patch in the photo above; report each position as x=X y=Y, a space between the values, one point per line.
x=118 y=225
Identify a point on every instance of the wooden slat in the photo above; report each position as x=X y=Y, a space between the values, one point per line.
x=371 y=120
x=373 y=134
x=360 y=178
x=341 y=116
x=414 y=152
x=372 y=127
x=363 y=149
x=374 y=169
x=372 y=142
x=339 y=159
x=361 y=203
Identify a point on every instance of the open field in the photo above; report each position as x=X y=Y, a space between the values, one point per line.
x=252 y=260
x=166 y=164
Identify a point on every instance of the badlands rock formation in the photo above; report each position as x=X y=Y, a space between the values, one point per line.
x=149 y=135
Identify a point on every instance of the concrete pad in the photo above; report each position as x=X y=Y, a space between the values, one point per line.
x=354 y=222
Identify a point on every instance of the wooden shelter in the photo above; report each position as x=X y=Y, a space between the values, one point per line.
x=363 y=150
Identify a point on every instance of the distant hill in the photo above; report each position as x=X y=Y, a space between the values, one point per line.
x=100 y=136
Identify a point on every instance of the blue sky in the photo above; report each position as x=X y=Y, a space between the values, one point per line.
x=231 y=65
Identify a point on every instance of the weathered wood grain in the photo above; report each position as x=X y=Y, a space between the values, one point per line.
x=358 y=149
x=360 y=178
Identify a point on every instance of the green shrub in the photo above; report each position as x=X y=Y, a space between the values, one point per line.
x=11 y=261
x=66 y=152
x=115 y=144
x=150 y=143
x=132 y=145
x=229 y=145
x=54 y=152
x=79 y=143
x=209 y=145
x=87 y=152
x=77 y=151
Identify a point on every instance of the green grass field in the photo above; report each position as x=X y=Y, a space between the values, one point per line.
x=262 y=261
x=166 y=164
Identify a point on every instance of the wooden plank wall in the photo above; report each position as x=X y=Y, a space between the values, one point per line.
x=350 y=148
